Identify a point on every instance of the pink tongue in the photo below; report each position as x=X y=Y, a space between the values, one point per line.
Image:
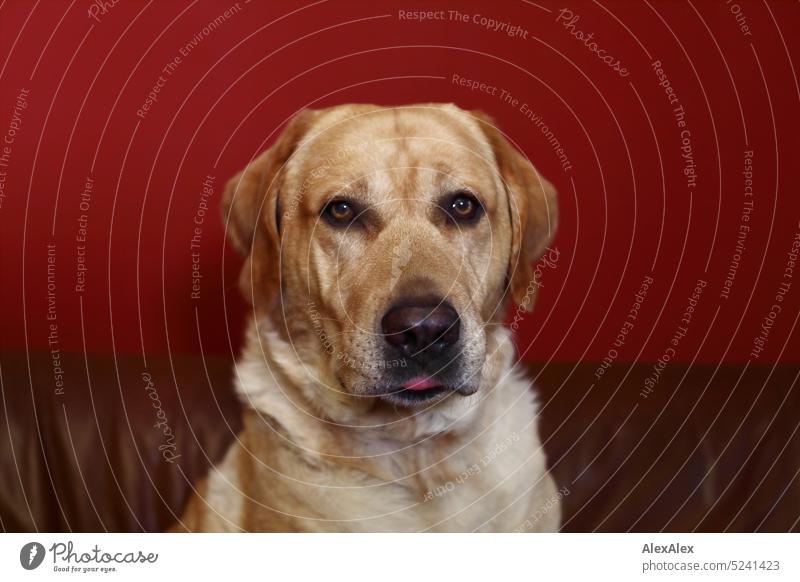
x=421 y=383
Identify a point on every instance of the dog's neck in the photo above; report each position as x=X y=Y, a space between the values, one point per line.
x=278 y=382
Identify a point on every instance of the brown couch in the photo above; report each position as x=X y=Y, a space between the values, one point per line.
x=710 y=449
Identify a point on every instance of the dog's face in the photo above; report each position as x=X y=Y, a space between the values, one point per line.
x=384 y=241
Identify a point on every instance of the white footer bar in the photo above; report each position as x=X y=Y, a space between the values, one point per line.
x=401 y=557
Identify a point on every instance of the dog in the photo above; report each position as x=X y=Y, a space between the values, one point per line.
x=381 y=248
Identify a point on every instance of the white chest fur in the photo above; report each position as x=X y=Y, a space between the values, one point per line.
x=477 y=465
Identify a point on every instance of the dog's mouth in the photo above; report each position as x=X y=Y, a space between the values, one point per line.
x=419 y=390
x=421 y=384
x=422 y=390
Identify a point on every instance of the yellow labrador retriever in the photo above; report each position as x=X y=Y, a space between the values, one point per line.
x=382 y=245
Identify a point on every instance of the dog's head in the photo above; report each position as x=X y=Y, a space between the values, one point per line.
x=382 y=241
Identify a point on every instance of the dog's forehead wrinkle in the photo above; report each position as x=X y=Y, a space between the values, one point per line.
x=401 y=129
x=418 y=164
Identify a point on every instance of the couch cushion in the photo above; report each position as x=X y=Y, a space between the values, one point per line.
x=119 y=445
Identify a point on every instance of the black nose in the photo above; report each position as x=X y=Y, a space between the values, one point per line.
x=419 y=330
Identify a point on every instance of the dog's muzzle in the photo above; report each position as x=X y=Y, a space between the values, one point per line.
x=424 y=333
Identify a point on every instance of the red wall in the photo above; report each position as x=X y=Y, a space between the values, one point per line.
x=627 y=209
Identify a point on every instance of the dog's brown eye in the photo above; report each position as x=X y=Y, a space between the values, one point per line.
x=464 y=208
x=340 y=212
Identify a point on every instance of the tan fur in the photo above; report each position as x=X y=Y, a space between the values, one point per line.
x=319 y=451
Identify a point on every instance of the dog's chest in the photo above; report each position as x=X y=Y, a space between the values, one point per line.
x=481 y=487
x=491 y=482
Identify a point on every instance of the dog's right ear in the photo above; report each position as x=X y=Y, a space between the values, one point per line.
x=250 y=213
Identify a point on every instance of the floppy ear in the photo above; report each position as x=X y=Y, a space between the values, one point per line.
x=533 y=207
x=250 y=213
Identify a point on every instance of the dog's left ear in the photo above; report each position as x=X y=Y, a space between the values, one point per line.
x=533 y=207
